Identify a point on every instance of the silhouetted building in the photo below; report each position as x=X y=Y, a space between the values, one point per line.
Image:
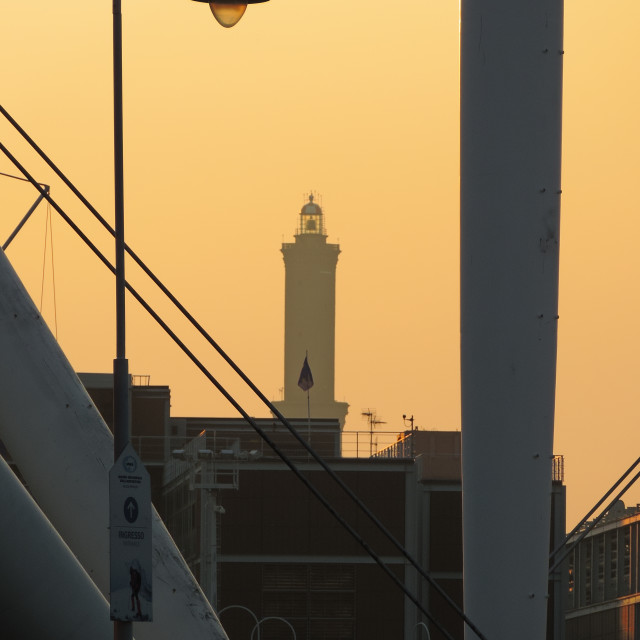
x=280 y=554
x=309 y=323
x=258 y=541
x=150 y=407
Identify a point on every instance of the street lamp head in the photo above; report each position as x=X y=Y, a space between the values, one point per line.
x=229 y=12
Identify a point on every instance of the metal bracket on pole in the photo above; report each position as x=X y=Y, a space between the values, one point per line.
x=22 y=222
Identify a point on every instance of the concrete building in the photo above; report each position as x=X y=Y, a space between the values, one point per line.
x=604 y=580
x=278 y=553
x=309 y=324
x=263 y=548
x=257 y=540
x=150 y=407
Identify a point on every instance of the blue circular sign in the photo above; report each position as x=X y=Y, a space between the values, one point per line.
x=131 y=509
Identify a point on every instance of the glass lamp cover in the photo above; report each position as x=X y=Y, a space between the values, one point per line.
x=228 y=13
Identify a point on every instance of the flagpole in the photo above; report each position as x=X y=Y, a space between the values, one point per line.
x=309 y=417
x=305 y=382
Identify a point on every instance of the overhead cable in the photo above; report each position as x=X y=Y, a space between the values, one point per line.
x=595 y=507
x=237 y=406
x=591 y=525
x=250 y=384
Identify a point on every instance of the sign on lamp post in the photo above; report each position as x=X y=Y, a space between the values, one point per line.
x=130 y=536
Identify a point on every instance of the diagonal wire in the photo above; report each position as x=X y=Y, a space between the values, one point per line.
x=44 y=256
x=594 y=509
x=592 y=524
x=33 y=207
x=53 y=269
x=9 y=175
x=235 y=404
x=251 y=385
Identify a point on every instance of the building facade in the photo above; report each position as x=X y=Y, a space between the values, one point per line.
x=266 y=551
x=604 y=580
x=280 y=555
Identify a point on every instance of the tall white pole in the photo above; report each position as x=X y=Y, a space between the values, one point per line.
x=511 y=104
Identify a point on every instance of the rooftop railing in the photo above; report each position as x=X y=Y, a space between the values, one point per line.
x=329 y=445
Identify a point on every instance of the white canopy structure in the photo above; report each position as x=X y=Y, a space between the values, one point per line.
x=64 y=450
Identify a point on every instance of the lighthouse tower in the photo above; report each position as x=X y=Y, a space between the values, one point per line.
x=310 y=318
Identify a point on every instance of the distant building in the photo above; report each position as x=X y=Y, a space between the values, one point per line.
x=280 y=554
x=439 y=451
x=262 y=545
x=604 y=580
x=257 y=539
x=150 y=406
x=309 y=323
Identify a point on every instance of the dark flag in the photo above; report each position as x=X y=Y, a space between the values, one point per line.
x=305 y=382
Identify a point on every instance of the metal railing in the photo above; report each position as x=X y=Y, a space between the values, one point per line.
x=248 y=446
x=401 y=448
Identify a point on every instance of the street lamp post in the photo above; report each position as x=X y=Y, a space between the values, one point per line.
x=227 y=13
x=122 y=630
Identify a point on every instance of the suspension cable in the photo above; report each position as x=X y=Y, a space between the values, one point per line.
x=592 y=524
x=44 y=255
x=310 y=486
x=9 y=175
x=594 y=509
x=249 y=383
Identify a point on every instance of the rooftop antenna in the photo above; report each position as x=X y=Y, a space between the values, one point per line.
x=372 y=419
x=410 y=421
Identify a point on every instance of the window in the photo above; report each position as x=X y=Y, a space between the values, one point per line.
x=626 y=560
x=599 y=591
x=612 y=537
x=317 y=599
x=588 y=574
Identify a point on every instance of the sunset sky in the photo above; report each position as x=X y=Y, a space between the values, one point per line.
x=227 y=131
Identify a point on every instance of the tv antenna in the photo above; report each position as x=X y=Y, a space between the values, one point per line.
x=372 y=419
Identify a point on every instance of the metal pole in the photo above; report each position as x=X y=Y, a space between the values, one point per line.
x=119 y=181
x=212 y=519
x=308 y=419
x=121 y=630
x=208 y=545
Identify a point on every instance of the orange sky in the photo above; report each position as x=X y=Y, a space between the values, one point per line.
x=226 y=130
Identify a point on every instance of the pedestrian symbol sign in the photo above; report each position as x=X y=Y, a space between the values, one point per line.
x=131 y=510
